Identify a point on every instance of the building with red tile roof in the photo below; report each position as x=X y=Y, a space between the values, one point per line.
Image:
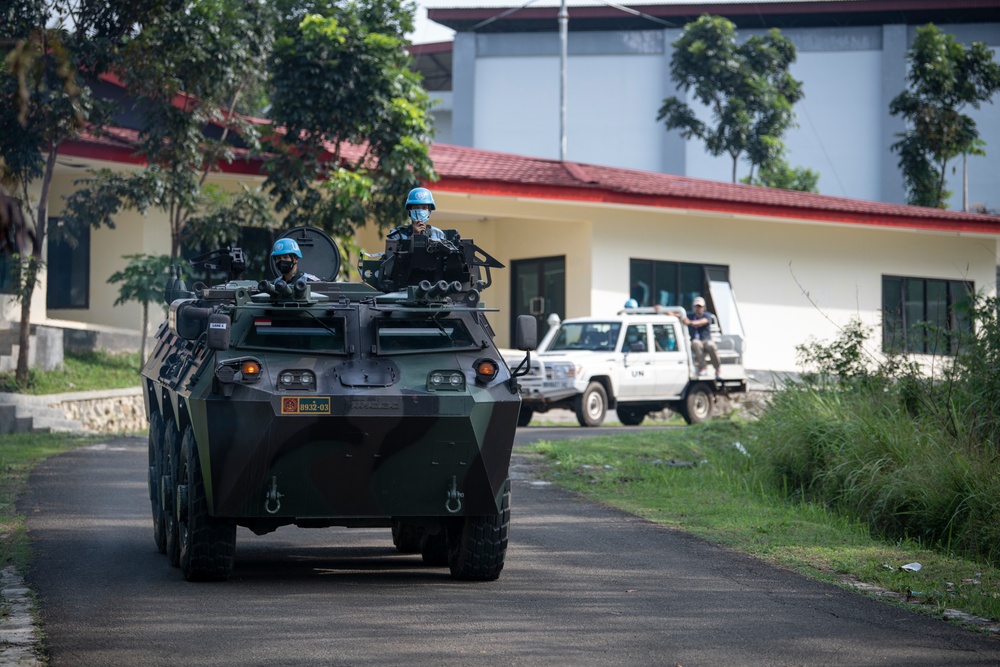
x=579 y=239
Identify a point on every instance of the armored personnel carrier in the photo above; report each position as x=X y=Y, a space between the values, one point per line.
x=376 y=404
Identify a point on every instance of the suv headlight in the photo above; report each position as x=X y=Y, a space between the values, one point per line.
x=563 y=371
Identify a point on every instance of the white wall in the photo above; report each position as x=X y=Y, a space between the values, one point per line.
x=613 y=100
x=517 y=105
x=792 y=281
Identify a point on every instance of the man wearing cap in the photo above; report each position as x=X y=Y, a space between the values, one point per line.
x=700 y=329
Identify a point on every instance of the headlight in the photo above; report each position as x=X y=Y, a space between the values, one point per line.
x=296 y=379
x=562 y=371
x=449 y=380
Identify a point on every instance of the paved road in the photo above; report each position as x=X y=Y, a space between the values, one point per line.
x=584 y=585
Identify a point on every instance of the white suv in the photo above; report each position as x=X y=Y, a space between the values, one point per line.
x=636 y=362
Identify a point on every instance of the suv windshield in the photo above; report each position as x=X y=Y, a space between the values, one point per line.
x=586 y=336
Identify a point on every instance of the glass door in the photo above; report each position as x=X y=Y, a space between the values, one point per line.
x=538 y=288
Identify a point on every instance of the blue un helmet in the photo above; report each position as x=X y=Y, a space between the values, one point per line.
x=286 y=247
x=420 y=196
x=631 y=303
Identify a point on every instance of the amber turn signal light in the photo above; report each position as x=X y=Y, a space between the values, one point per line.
x=486 y=369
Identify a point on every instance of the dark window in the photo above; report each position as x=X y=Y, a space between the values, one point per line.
x=406 y=336
x=9 y=274
x=68 y=275
x=924 y=315
x=297 y=332
x=671 y=283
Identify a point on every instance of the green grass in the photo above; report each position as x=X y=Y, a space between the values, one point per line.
x=696 y=480
x=84 y=371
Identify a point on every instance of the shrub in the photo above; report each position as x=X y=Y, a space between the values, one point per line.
x=913 y=456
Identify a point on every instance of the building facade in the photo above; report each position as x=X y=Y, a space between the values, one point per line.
x=505 y=87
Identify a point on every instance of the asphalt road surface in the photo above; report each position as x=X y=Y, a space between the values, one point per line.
x=583 y=585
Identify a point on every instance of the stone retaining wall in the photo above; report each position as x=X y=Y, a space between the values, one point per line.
x=110 y=414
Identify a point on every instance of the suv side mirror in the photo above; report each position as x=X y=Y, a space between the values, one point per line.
x=526 y=336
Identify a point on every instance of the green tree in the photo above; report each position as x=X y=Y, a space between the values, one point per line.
x=353 y=116
x=143 y=280
x=747 y=88
x=186 y=72
x=45 y=101
x=944 y=78
x=779 y=174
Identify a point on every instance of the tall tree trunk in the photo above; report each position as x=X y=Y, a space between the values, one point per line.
x=32 y=267
x=940 y=188
x=965 y=182
x=735 y=159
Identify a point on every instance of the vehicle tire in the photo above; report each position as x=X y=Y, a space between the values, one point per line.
x=406 y=538
x=592 y=405
x=524 y=416
x=155 y=473
x=207 y=544
x=168 y=485
x=630 y=416
x=434 y=548
x=697 y=406
x=478 y=545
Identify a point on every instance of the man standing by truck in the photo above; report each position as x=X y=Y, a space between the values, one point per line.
x=700 y=329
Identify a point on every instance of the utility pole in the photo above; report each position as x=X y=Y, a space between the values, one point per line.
x=563 y=41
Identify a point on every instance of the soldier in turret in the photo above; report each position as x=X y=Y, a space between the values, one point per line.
x=419 y=204
x=286 y=255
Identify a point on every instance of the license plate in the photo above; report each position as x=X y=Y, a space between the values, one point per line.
x=305 y=405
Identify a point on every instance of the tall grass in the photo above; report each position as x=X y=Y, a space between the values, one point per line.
x=912 y=457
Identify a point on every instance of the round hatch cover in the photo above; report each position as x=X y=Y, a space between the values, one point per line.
x=320 y=255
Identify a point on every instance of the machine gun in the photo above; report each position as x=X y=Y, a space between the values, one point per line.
x=230 y=261
x=431 y=269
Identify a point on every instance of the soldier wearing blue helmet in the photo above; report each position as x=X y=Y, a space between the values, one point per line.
x=286 y=255
x=419 y=204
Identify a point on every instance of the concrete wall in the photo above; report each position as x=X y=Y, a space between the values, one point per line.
x=506 y=98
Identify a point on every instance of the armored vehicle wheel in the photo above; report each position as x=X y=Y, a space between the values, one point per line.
x=434 y=549
x=524 y=416
x=406 y=538
x=207 y=544
x=477 y=548
x=697 y=406
x=155 y=472
x=168 y=486
x=592 y=405
x=630 y=416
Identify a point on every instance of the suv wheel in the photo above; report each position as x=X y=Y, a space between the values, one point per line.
x=697 y=406
x=592 y=405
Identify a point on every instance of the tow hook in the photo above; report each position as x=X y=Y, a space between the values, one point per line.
x=272 y=496
x=454 y=500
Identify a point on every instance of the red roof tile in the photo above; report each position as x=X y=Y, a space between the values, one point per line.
x=477 y=171
x=469 y=169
